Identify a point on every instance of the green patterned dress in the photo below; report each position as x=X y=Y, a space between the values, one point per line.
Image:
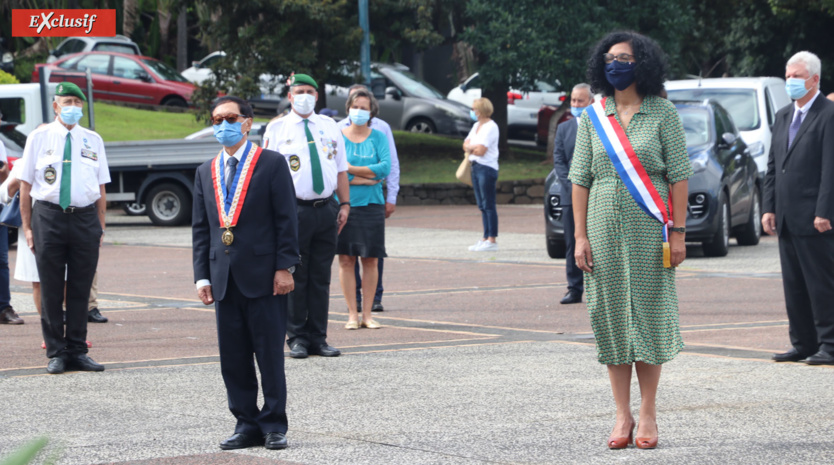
x=631 y=298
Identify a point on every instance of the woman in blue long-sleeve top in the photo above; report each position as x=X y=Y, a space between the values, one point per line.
x=363 y=236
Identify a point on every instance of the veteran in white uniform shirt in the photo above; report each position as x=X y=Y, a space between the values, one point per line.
x=64 y=172
x=315 y=151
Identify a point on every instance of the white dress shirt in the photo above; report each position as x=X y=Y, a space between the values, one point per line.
x=44 y=154
x=393 y=179
x=287 y=137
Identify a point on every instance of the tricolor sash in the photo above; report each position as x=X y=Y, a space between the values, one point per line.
x=230 y=203
x=631 y=171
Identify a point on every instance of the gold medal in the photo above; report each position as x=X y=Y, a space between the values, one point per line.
x=228 y=237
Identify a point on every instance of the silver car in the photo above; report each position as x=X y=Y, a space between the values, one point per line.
x=405 y=102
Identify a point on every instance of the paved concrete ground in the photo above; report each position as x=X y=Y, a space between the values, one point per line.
x=476 y=363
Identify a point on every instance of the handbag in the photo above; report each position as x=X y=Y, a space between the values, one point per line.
x=464 y=172
x=10 y=215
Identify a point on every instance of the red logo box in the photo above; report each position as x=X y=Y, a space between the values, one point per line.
x=63 y=23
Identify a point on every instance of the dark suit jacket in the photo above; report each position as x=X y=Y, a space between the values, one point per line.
x=563 y=145
x=266 y=235
x=799 y=184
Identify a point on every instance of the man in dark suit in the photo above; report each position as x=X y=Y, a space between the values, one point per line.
x=563 y=144
x=244 y=255
x=799 y=206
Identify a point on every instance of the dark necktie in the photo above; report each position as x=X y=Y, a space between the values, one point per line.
x=232 y=164
x=65 y=194
x=797 y=121
x=315 y=163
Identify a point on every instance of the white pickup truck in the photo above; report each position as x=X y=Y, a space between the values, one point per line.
x=153 y=177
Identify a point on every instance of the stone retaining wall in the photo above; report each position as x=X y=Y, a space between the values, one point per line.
x=524 y=192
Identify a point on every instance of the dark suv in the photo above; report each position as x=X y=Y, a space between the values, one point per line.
x=724 y=193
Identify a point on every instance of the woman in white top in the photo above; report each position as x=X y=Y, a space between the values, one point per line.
x=481 y=145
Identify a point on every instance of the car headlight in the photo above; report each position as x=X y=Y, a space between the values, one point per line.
x=699 y=161
x=756 y=149
x=8 y=57
x=451 y=113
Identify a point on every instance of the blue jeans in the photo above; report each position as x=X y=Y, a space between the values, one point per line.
x=5 y=293
x=484 y=179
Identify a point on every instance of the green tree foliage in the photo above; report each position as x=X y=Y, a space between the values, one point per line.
x=278 y=37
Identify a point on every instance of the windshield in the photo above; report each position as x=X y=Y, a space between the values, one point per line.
x=412 y=84
x=126 y=49
x=741 y=104
x=164 y=71
x=12 y=138
x=695 y=125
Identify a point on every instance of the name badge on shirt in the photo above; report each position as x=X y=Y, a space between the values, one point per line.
x=89 y=154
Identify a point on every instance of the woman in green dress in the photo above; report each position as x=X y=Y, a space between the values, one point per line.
x=631 y=297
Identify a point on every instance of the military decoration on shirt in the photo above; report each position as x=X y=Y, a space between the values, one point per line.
x=50 y=175
x=330 y=147
x=86 y=145
x=295 y=163
x=89 y=154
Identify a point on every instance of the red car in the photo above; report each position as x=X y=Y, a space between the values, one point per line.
x=124 y=78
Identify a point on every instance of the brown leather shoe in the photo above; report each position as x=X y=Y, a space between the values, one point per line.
x=9 y=317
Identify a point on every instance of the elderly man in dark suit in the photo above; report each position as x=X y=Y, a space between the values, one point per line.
x=799 y=207
x=244 y=255
x=580 y=97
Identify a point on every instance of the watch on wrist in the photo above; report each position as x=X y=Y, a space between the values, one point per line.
x=291 y=269
x=343 y=204
x=678 y=230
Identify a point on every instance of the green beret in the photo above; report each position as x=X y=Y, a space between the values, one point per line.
x=303 y=80
x=66 y=89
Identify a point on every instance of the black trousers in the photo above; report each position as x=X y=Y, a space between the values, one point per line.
x=253 y=326
x=575 y=276
x=66 y=244
x=310 y=301
x=379 y=289
x=808 y=279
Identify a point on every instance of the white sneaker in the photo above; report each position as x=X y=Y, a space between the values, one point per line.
x=487 y=246
x=474 y=248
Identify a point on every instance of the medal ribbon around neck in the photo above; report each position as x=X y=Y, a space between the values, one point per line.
x=228 y=206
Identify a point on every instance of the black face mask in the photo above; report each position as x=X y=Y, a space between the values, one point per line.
x=619 y=75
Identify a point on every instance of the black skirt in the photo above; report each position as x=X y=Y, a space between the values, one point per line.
x=364 y=233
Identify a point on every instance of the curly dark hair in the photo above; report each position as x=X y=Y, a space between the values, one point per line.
x=650 y=68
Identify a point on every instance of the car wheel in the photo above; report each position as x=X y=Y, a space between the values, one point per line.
x=423 y=125
x=720 y=243
x=752 y=231
x=135 y=209
x=556 y=248
x=169 y=205
x=175 y=102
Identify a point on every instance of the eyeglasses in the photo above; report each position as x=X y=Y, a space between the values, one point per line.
x=622 y=58
x=232 y=118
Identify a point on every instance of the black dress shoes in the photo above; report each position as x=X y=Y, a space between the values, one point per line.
x=242 y=441
x=95 y=316
x=84 y=363
x=377 y=306
x=275 y=441
x=325 y=350
x=56 y=366
x=820 y=358
x=298 y=351
x=9 y=317
x=792 y=355
x=571 y=297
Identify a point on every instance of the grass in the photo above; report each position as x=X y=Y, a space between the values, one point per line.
x=434 y=159
x=423 y=158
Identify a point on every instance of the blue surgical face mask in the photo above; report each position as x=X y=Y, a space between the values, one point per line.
x=796 y=88
x=577 y=111
x=303 y=104
x=359 y=117
x=473 y=115
x=228 y=134
x=619 y=75
x=71 y=114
